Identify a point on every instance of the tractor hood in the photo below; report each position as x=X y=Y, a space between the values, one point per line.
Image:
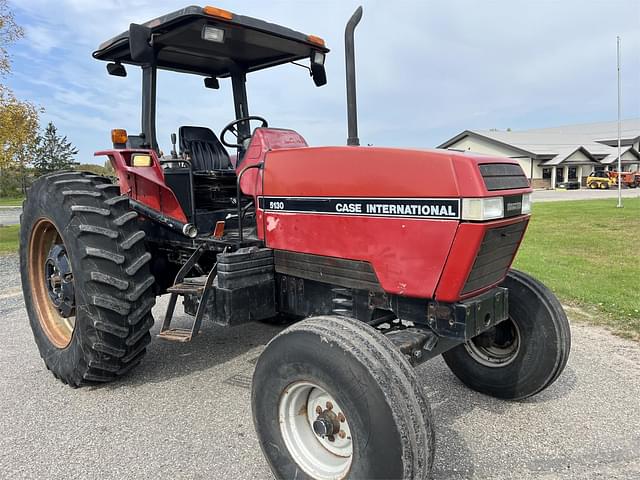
x=403 y=211
x=389 y=172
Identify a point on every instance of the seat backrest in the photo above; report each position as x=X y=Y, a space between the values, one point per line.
x=206 y=151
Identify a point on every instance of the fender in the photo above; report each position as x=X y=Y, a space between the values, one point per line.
x=144 y=184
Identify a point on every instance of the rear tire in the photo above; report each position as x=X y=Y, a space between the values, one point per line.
x=83 y=219
x=366 y=378
x=535 y=356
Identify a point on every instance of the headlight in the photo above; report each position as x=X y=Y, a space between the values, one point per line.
x=526 y=203
x=480 y=209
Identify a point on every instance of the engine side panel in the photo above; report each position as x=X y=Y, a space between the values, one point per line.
x=408 y=255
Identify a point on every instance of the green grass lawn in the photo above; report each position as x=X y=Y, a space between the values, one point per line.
x=11 y=201
x=9 y=238
x=588 y=253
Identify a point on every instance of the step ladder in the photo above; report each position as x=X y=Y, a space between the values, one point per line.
x=182 y=286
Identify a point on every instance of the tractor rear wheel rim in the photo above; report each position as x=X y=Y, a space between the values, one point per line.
x=502 y=350
x=316 y=431
x=51 y=282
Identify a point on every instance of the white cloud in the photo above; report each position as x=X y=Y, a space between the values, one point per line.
x=426 y=70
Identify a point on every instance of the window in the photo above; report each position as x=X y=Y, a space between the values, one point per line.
x=546 y=173
x=573 y=173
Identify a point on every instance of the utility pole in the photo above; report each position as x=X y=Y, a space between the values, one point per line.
x=619 y=131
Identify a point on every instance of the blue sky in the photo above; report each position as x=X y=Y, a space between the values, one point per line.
x=426 y=69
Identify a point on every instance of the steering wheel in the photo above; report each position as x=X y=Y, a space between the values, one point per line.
x=231 y=127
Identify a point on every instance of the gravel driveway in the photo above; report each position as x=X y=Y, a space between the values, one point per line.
x=185 y=412
x=582 y=194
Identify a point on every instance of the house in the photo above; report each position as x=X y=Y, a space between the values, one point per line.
x=553 y=155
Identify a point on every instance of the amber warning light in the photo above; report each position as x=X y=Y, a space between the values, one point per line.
x=218 y=13
x=119 y=137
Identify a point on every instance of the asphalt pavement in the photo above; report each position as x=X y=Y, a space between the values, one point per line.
x=185 y=412
x=10 y=215
x=583 y=194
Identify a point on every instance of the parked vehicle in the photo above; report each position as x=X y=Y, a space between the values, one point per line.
x=391 y=256
x=570 y=185
x=601 y=179
x=628 y=179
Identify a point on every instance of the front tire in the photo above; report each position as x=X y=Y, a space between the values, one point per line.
x=85 y=278
x=333 y=398
x=522 y=355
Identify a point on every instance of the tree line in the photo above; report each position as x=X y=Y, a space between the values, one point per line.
x=26 y=150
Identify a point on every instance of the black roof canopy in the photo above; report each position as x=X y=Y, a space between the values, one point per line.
x=248 y=44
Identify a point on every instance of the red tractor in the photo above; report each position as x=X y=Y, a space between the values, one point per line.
x=384 y=258
x=628 y=179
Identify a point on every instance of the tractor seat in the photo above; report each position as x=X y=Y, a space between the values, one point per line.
x=206 y=151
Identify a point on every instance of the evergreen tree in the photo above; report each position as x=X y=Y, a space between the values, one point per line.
x=53 y=151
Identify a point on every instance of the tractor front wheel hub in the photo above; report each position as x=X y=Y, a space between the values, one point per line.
x=59 y=280
x=315 y=430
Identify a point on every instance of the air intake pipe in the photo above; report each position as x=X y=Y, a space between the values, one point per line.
x=350 y=61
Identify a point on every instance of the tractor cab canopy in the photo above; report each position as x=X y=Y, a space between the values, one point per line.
x=211 y=42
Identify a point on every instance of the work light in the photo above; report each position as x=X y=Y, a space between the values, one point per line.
x=318 y=57
x=213 y=34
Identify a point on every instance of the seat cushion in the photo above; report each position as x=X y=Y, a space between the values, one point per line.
x=206 y=151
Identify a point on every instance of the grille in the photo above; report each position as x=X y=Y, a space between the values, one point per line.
x=496 y=252
x=503 y=176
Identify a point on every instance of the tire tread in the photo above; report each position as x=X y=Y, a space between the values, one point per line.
x=115 y=279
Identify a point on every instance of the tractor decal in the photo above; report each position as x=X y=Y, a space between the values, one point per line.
x=446 y=208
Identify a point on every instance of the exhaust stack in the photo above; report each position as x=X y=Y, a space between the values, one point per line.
x=350 y=61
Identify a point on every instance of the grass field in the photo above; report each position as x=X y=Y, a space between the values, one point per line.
x=11 y=201
x=588 y=253
x=9 y=238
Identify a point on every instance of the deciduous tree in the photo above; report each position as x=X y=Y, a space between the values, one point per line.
x=10 y=32
x=18 y=119
x=18 y=135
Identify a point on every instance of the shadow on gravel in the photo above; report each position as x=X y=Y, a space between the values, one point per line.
x=166 y=360
x=452 y=402
x=560 y=388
